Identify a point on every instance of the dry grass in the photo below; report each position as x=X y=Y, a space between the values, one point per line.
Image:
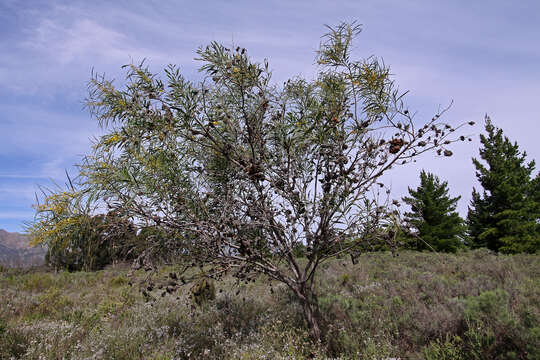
x=472 y=305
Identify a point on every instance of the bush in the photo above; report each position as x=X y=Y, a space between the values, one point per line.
x=51 y=304
x=450 y=349
x=493 y=331
x=203 y=291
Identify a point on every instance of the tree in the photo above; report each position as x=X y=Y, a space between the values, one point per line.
x=433 y=215
x=76 y=238
x=246 y=170
x=91 y=243
x=505 y=216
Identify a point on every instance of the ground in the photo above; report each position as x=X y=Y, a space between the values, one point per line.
x=471 y=305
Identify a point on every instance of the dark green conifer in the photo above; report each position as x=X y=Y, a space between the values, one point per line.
x=505 y=216
x=433 y=217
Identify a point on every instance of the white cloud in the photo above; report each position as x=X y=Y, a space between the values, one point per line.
x=18 y=192
x=16 y=215
x=83 y=39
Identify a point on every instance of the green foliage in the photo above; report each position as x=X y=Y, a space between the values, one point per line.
x=76 y=238
x=495 y=333
x=92 y=243
x=51 y=303
x=37 y=282
x=160 y=244
x=505 y=216
x=433 y=216
x=449 y=349
x=300 y=250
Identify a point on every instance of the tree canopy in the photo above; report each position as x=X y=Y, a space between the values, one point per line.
x=505 y=216
x=433 y=215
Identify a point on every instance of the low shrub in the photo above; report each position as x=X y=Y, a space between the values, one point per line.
x=471 y=305
x=50 y=304
x=494 y=331
x=203 y=291
x=13 y=343
x=449 y=349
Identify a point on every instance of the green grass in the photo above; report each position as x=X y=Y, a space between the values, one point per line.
x=472 y=305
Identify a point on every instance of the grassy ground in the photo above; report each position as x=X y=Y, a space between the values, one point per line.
x=474 y=305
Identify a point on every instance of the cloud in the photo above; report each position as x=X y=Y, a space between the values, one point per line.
x=16 y=215
x=18 y=192
x=84 y=37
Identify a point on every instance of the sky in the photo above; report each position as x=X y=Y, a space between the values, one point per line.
x=481 y=55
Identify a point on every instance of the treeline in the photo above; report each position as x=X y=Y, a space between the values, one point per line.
x=503 y=216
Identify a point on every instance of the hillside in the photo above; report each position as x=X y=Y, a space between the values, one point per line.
x=15 y=251
x=473 y=305
x=13 y=240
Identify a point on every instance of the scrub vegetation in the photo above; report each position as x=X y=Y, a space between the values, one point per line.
x=237 y=219
x=470 y=305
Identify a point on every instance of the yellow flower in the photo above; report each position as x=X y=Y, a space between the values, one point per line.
x=113 y=139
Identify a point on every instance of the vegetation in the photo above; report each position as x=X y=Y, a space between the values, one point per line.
x=245 y=170
x=433 y=216
x=269 y=189
x=472 y=305
x=506 y=216
x=75 y=238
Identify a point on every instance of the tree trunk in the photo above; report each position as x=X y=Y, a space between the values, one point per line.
x=310 y=307
x=312 y=317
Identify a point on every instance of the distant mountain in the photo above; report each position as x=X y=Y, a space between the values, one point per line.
x=16 y=252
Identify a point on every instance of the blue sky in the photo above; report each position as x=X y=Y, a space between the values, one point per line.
x=483 y=55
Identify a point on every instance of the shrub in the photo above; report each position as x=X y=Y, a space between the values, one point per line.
x=203 y=291
x=37 y=282
x=118 y=281
x=450 y=349
x=51 y=303
x=13 y=343
x=493 y=332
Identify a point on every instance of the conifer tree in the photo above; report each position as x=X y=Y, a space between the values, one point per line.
x=438 y=226
x=504 y=217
